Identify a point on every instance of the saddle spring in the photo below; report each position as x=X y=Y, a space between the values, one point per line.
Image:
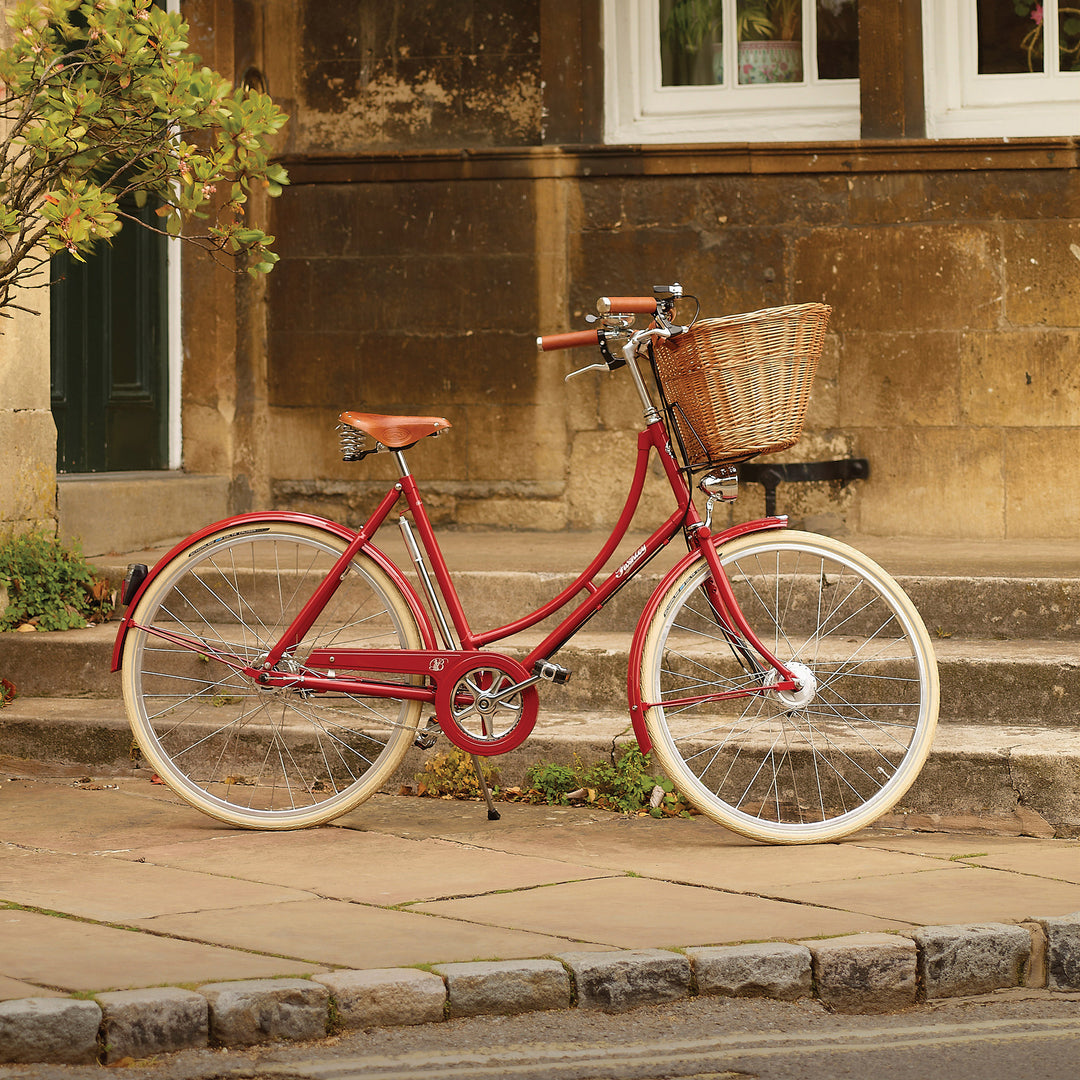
x=354 y=443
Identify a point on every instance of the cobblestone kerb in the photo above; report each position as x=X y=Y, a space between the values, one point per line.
x=859 y=972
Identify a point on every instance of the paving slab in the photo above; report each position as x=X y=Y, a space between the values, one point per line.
x=635 y=913
x=367 y=867
x=11 y=989
x=1057 y=860
x=110 y=817
x=702 y=853
x=351 y=935
x=72 y=955
x=110 y=890
x=954 y=894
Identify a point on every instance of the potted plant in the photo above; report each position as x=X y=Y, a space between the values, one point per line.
x=770 y=41
x=689 y=24
x=1068 y=35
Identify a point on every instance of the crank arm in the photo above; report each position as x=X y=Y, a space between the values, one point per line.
x=509 y=692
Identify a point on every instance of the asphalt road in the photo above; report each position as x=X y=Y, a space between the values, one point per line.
x=1030 y=1035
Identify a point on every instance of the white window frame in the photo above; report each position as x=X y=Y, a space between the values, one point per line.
x=961 y=103
x=638 y=109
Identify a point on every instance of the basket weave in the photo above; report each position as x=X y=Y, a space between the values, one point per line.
x=739 y=386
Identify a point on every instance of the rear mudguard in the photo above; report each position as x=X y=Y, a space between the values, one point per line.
x=633 y=672
x=276 y=517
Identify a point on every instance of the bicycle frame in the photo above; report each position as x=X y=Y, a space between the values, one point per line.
x=425 y=668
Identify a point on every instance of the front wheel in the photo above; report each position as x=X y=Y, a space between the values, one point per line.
x=801 y=766
x=253 y=757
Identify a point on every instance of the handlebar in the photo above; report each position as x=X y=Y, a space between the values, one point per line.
x=615 y=329
x=573 y=340
x=630 y=305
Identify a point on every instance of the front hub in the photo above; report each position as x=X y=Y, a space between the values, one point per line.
x=803 y=694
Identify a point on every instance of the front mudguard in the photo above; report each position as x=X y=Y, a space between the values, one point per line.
x=275 y=517
x=633 y=671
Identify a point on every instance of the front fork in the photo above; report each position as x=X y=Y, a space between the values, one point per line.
x=733 y=621
x=754 y=654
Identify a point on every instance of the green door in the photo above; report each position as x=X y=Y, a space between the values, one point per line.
x=109 y=319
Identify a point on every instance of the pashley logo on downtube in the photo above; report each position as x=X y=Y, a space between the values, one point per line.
x=625 y=568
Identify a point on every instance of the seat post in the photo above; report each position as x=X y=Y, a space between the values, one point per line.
x=403 y=467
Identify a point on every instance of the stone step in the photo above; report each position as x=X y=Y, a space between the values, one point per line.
x=1006 y=590
x=982 y=681
x=122 y=511
x=1006 y=778
x=968 y=607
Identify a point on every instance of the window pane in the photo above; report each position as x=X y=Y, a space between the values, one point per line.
x=1010 y=36
x=690 y=42
x=838 y=39
x=770 y=41
x=1069 y=37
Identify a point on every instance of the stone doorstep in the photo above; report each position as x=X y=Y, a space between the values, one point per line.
x=856 y=973
x=128 y=511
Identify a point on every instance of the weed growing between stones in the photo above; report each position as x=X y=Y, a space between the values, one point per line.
x=450 y=775
x=625 y=784
x=46 y=586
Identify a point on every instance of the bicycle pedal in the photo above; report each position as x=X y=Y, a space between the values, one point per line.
x=427 y=738
x=555 y=673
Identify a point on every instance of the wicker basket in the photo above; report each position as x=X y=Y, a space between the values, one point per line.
x=739 y=386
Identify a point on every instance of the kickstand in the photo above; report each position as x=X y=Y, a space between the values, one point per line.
x=493 y=814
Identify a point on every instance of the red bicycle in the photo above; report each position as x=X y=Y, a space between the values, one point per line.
x=277 y=666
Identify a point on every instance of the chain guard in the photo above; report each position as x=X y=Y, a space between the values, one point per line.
x=459 y=704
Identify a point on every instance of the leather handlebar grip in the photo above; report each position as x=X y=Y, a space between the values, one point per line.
x=574 y=340
x=630 y=305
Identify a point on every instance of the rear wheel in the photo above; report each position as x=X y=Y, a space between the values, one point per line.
x=254 y=757
x=799 y=766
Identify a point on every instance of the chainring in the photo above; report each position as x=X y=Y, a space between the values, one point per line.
x=469 y=715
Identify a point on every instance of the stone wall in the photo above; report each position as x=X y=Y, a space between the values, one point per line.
x=950 y=362
x=449 y=201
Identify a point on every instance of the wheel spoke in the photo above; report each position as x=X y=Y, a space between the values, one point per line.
x=815 y=762
x=254 y=756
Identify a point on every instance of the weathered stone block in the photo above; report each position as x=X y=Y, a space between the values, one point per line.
x=1038 y=461
x=885 y=199
x=1044 y=779
x=385 y=996
x=770 y=969
x=913 y=492
x=897 y=379
x=261 y=1010
x=519 y=442
x=506 y=987
x=28 y=464
x=1042 y=273
x=1062 y=951
x=897 y=277
x=955 y=961
x=139 y=1023
x=56 y=1030
x=1019 y=378
x=617 y=981
x=601 y=464
x=540 y=515
x=865 y=972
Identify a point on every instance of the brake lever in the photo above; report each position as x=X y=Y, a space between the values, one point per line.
x=581 y=371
